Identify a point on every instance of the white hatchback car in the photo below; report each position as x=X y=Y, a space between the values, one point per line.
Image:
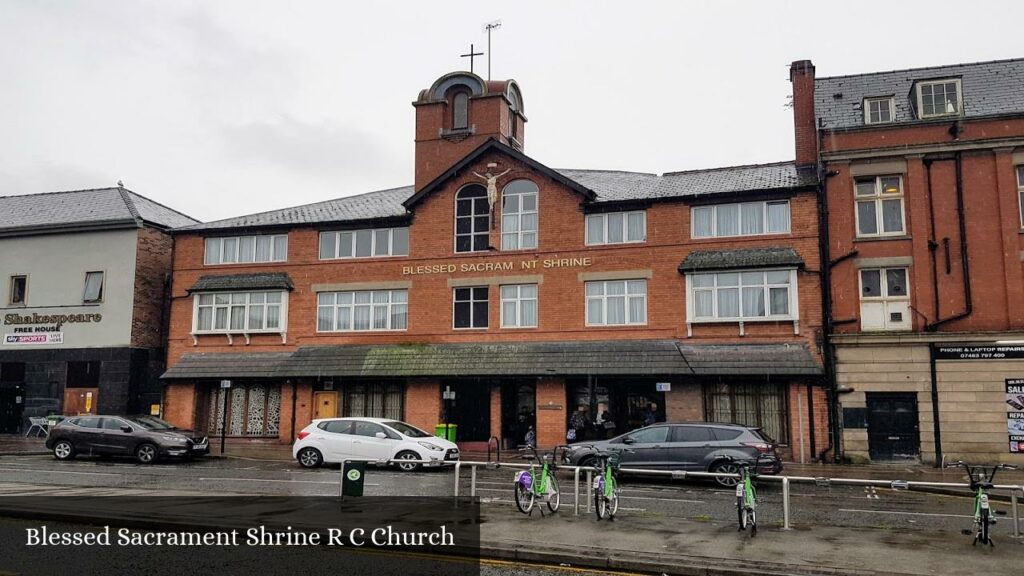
x=333 y=440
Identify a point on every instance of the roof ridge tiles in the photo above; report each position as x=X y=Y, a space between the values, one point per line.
x=59 y=192
x=698 y=170
x=979 y=63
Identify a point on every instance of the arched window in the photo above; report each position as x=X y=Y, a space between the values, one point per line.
x=472 y=219
x=519 y=215
x=460 y=110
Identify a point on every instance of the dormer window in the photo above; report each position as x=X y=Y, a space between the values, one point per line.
x=939 y=98
x=879 y=110
x=460 y=110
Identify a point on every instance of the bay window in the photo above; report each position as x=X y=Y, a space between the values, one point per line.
x=238 y=312
x=742 y=296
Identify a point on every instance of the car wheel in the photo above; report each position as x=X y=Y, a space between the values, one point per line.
x=146 y=453
x=310 y=458
x=408 y=466
x=726 y=468
x=63 y=450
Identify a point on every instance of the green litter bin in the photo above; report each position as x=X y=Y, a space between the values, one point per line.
x=439 y=431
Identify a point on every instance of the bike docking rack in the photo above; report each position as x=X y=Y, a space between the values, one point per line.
x=1015 y=491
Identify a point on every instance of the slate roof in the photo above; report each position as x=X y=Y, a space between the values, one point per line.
x=609 y=186
x=262 y=281
x=621 y=357
x=84 y=209
x=742 y=258
x=770 y=359
x=989 y=88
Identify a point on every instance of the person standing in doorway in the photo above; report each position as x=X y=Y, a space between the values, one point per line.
x=578 y=422
x=651 y=414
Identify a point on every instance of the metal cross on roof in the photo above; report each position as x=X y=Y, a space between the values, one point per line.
x=471 y=55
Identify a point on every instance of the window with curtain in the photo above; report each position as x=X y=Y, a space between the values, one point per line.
x=472 y=219
x=519 y=215
x=93 y=287
x=239 y=312
x=742 y=219
x=742 y=295
x=879 y=203
x=616 y=227
x=374 y=400
x=519 y=306
x=373 y=242
x=758 y=405
x=246 y=249
x=362 y=310
x=616 y=302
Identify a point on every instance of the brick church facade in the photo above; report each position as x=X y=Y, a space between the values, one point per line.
x=529 y=292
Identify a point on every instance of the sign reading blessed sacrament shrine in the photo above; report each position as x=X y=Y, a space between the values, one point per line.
x=505 y=266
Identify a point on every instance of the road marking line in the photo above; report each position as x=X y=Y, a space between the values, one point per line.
x=904 y=513
x=59 y=472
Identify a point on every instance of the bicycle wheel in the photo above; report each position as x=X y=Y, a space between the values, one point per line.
x=554 y=494
x=600 y=505
x=524 y=499
x=752 y=520
x=983 y=529
x=741 y=512
x=613 y=506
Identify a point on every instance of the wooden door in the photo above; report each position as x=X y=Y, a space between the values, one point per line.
x=325 y=404
x=81 y=401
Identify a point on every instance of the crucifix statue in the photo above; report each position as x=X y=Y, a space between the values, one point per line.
x=492 y=184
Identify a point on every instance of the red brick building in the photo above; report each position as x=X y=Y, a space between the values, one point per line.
x=924 y=177
x=529 y=292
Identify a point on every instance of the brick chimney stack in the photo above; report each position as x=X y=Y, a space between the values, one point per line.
x=801 y=74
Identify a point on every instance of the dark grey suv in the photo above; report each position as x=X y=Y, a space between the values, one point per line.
x=146 y=438
x=693 y=446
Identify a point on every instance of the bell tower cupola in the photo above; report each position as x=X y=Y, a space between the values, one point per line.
x=458 y=113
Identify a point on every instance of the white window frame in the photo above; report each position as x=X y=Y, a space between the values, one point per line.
x=603 y=298
x=918 y=94
x=890 y=104
x=373 y=243
x=472 y=300
x=389 y=306
x=519 y=216
x=472 y=234
x=518 y=299
x=739 y=214
x=1020 y=192
x=884 y=298
x=878 y=198
x=85 y=287
x=282 y=313
x=221 y=241
x=24 y=293
x=792 y=286
x=603 y=218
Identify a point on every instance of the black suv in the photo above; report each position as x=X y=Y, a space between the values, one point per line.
x=695 y=446
x=146 y=438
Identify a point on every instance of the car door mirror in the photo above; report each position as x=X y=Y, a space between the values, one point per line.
x=628 y=440
x=381 y=435
x=126 y=429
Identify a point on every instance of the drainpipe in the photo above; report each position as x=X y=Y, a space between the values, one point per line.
x=936 y=427
x=826 y=319
x=810 y=418
x=933 y=244
x=964 y=263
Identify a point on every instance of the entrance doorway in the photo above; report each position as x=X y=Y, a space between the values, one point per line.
x=470 y=410
x=893 y=426
x=12 y=403
x=326 y=404
x=518 y=412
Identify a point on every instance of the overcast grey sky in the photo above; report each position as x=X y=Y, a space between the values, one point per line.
x=232 y=107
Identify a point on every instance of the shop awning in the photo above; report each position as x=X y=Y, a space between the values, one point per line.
x=264 y=281
x=622 y=358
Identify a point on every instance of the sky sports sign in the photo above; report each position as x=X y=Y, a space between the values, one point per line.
x=34 y=338
x=1015 y=417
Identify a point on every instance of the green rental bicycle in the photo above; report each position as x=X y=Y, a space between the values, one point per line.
x=606 y=484
x=981 y=482
x=531 y=485
x=746 y=496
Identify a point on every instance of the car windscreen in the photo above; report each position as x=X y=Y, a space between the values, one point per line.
x=408 y=429
x=152 y=423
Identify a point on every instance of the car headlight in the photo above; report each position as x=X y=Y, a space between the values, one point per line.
x=430 y=446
